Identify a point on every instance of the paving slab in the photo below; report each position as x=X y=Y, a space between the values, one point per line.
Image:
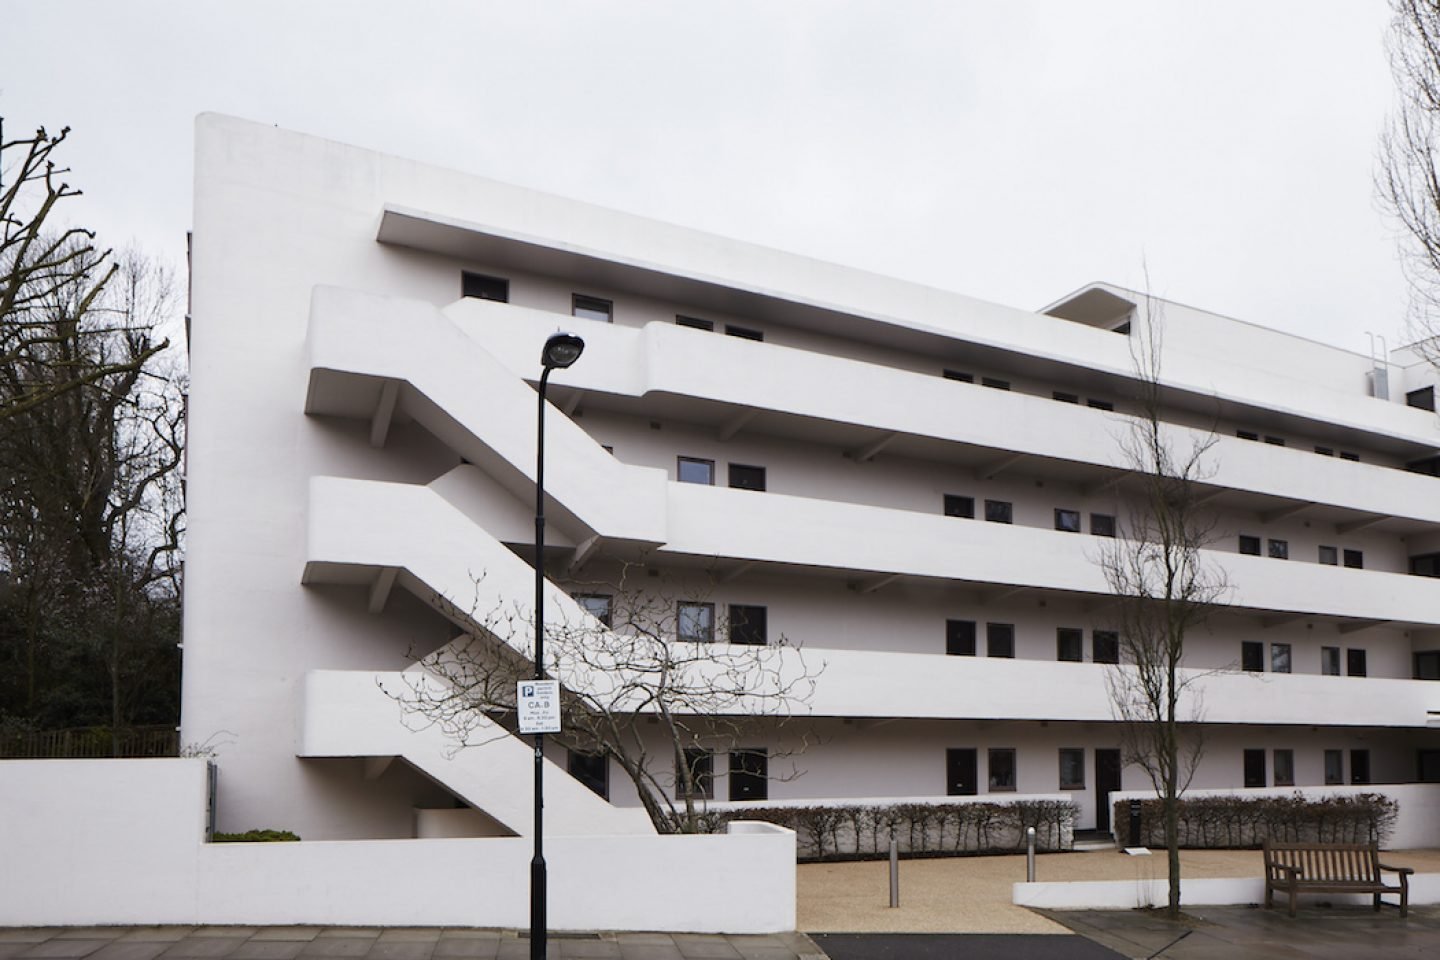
x=268 y=950
x=59 y=948
x=131 y=950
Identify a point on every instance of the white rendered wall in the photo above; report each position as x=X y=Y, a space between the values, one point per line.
x=122 y=842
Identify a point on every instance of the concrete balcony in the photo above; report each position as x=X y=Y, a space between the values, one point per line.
x=359 y=530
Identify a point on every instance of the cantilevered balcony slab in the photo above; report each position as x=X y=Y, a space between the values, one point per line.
x=461 y=569
x=365 y=714
x=661 y=359
x=360 y=346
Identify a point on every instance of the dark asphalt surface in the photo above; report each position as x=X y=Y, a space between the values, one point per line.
x=959 y=946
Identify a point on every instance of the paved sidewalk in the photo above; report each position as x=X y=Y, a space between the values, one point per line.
x=1251 y=933
x=355 y=943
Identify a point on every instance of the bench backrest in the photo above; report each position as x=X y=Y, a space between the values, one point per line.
x=1328 y=862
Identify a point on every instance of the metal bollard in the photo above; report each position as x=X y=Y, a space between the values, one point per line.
x=1029 y=854
x=894 y=873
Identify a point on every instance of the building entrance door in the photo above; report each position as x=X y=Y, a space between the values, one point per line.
x=961 y=779
x=1107 y=781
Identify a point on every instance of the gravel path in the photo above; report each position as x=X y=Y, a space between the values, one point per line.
x=972 y=894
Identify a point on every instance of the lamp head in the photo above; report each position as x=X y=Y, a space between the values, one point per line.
x=561 y=350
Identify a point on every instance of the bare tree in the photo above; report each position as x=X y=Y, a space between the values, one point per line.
x=1408 y=180
x=91 y=441
x=1164 y=589
x=41 y=265
x=655 y=683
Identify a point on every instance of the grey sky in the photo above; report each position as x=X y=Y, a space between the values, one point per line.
x=1008 y=150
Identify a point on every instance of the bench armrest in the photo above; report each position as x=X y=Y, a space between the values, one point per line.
x=1292 y=871
x=1405 y=870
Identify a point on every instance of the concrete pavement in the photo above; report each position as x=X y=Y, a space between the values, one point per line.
x=354 y=943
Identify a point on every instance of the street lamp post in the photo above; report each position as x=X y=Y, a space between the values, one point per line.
x=561 y=350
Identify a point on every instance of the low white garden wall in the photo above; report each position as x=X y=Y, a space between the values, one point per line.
x=122 y=842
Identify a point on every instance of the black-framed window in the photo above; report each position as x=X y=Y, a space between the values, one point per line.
x=1064 y=397
x=1102 y=525
x=598 y=605
x=1067 y=520
x=1072 y=768
x=744 y=333
x=1070 y=644
x=1355 y=662
x=1360 y=766
x=1354 y=559
x=1427 y=665
x=1100 y=404
x=1001 y=770
x=999 y=511
x=484 y=287
x=1424 y=398
x=694 y=323
x=995 y=383
x=1247 y=434
x=1000 y=640
x=1252 y=656
x=1105 y=646
x=748 y=624
x=1278 y=549
x=1275 y=441
x=591 y=769
x=701 y=764
x=1425 y=565
x=1334 y=767
x=1325 y=451
x=591 y=308
x=1254 y=768
x=695 y=622
x=958 y=375
x=1250 y=546
x=695 y=470
x=1280 y=658
x=1330 y=661
x=960 y=638
x=1329 y=556
x=1284 y=768
x=1350 y=455
x=749 y=774
x=958 y=506
x=747 y=477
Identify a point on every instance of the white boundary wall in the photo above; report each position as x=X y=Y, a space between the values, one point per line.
x=1150 y=892
x=122 y=842
x=1418 y=824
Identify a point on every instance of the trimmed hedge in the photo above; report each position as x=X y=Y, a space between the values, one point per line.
x=255 y=836
x=1240 y=822
x=921 y=829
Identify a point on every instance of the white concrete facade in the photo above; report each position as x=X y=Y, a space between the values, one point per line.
x=362 y=450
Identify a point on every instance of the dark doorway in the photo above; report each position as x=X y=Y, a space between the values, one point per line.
x=749 y=774
x=1428 y=762
x=1254 y=768
x=1359 y=766
x=1107 y=781
x=961 y=779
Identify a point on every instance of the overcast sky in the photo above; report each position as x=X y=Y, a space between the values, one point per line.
x=1013 y=151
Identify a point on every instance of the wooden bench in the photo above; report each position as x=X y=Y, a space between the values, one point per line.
x=1296 y=868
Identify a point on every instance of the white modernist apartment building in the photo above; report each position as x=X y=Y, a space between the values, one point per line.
x=913 y=485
